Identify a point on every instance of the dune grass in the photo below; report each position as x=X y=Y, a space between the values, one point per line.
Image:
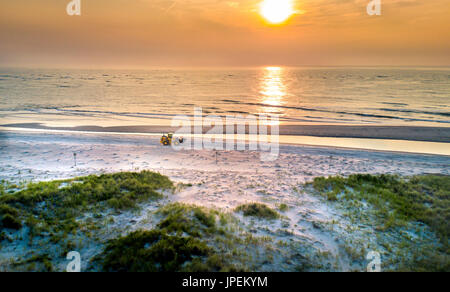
x=64 y=215
x=283 y=207
x=55 y=206
x=54 y=212
x=188 y=219
x=186 y=239
x=196 y=239
x=396 y=200
x=258 y=210
x=421 y=198
x=151 y=251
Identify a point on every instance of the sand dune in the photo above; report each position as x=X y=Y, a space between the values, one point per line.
x=234 y=178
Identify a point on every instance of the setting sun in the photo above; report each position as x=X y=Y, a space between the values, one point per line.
x=276 y=11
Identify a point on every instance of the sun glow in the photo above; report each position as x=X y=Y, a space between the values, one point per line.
x=276 y=11
x=273 y=90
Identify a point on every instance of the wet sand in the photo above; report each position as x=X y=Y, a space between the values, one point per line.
x=408 y=133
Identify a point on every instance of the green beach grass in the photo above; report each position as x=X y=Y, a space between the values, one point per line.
x=55 y=205
x=66 y=215
x=187 y=238
x=258 y=210
x=393 y=202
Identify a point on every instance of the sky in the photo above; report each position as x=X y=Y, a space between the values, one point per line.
x=197 y=33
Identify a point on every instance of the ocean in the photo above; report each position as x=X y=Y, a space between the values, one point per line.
x=334 y=96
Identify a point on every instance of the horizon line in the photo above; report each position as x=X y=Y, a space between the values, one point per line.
x=144 y=68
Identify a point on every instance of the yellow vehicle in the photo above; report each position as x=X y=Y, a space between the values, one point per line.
x=168 y=139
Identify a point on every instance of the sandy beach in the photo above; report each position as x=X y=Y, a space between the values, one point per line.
x=47 y=156
x=408 y=133
x=224 y=181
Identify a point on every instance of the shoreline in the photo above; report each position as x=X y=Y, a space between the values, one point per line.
x=407 y=133
x=360 y=144
x=49 y=155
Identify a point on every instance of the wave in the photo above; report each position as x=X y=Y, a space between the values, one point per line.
x=416 y=112
x=71 y=111
x=379 y=116
x=343 y=116
x=395 y=103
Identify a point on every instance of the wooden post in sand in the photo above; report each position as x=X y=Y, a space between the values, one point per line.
x=75 y=158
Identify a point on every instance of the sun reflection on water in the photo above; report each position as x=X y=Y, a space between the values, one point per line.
x=273 y=90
